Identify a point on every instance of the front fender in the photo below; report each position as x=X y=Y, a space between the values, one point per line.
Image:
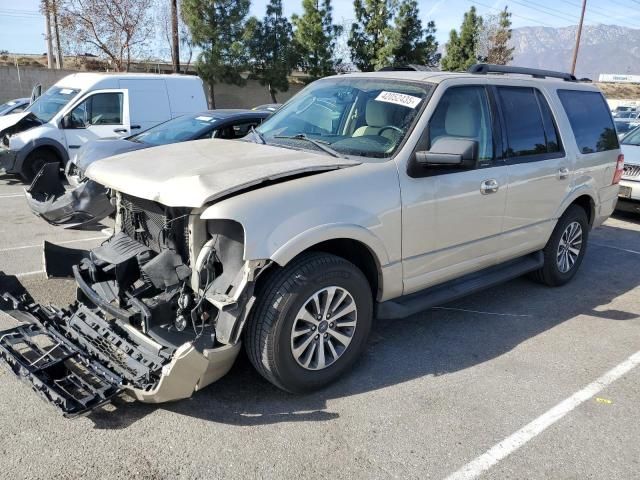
x=31 y=145
x=280 y=221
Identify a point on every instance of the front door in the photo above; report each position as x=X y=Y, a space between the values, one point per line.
x=452 y=216
x=102 y=114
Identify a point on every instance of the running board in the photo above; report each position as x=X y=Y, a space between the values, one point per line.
x=458 y=288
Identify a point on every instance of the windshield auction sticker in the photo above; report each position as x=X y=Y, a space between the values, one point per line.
x=399 y=99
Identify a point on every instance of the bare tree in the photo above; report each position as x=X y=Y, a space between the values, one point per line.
x=116 y=29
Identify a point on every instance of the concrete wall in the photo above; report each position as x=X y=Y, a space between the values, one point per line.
x=16 y=83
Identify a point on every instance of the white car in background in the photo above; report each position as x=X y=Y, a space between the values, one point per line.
x=629 y=196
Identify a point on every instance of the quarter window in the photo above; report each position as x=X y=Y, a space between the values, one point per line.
x=528 y=122
x=590 y=120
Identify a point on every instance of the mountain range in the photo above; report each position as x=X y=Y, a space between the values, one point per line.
x=603 y=49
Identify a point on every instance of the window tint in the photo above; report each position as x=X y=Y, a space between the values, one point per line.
x=590 y=120
x=523 y=122
x=99 y=109
x=463 y=112
x=550 y=130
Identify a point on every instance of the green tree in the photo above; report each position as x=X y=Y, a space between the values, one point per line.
x=315 y=38
x=462 y=50
x=410 y=42
x=370 y=36
x=271 y=49
x=218 y=28
x=499 y=51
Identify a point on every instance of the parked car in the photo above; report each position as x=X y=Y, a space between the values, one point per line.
x=369 y=192
x=87 y=106
x=89 y=202
x=629 y=196
x=14 y=106
x=622 y=109
x=622 y=128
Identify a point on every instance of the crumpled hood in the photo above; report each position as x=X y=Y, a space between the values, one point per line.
x=18 y=122
x=103 y=148
x=192 y=174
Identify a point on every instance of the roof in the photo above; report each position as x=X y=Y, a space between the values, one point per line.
x=83 y=80
x=226 y=113
x=439 y=77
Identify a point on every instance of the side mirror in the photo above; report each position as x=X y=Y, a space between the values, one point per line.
x=449 y=152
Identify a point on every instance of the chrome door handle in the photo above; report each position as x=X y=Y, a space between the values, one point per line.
x=563 y=173
x=489 y=186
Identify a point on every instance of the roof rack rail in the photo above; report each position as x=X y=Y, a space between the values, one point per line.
x=411 y=67
x=484 y=68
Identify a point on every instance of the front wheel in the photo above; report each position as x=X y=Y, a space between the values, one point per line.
x=310 y=322
x=34 y=163
x=565 y=249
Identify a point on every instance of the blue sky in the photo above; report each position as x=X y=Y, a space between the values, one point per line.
x=22 y=28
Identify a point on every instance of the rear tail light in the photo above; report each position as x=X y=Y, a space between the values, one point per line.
x=619 y=169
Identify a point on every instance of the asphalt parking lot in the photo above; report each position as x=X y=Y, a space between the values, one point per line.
x=508 y=383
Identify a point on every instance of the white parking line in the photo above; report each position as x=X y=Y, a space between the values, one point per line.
x=12 y=196
x=28 y=274
x=79 y=240
x=512 y=443
x=615 y=248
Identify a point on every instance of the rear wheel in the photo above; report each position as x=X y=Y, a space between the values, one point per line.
x=565 y=249
x=35 y=161
x=310 y=322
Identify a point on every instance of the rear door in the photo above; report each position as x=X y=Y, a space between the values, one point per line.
x=102 y=114
x=539 y=170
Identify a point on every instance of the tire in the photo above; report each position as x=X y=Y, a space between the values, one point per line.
x=35 y=161
x=269 y=336
x=554 y=272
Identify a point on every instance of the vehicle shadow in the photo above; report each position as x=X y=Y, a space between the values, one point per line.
x=11 y=179
x=435 y=342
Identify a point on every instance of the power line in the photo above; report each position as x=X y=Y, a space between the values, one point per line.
x=563 y=15
x=544 y=24
x=591 y=11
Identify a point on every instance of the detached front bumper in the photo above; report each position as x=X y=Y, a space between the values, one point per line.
x=85 y=205
x=109 y=342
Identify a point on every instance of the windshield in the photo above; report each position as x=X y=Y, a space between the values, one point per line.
x=632 y=138
x=51 y=102
x=353 y=116
x=179 y=129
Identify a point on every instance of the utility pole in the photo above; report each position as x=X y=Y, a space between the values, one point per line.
x=578 y=35
x=47 y=17
x=175 y=39
x=59 y=60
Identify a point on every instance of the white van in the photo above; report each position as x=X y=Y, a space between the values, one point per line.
x=86 y=106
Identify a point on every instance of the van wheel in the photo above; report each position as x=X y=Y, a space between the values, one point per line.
x=565 y=249
x=310 y=322
x=35 y=161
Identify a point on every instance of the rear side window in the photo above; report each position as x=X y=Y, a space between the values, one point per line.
x=528 y=122
x=590 y=120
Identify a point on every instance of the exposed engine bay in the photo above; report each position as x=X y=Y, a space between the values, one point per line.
x=155 y=316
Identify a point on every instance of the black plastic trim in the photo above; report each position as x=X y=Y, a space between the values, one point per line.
x=458 y=288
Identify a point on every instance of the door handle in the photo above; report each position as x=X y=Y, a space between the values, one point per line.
x=135 y=127
x=489 y=186
x=120 y=130
x=563 y=173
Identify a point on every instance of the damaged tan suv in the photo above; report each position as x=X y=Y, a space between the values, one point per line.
x=369 y=194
